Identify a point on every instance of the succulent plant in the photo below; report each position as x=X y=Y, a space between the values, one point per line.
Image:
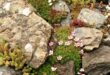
x=77 y=23
x=14 y=57
x=11 y=57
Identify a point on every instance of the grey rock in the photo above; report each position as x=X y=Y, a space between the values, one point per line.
x=97 y=62
x=21 y=26
x=66 y=69
x=67 y=20
x=91 y=17
x=91 y=37
x=61 y=6
x=7 y=71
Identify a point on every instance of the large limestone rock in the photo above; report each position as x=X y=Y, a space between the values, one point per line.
x=19 y=25
x=91 y=17
x=91 y=37
x=97 y=62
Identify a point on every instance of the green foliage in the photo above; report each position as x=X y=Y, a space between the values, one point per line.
x=62 y=33
x=42 y=7
x=67 y=52
x=77 y=2
x=45 y=69
x=28 y=70
x=45 y=11
x=57 y=17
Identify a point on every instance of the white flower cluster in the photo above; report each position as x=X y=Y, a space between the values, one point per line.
x=59 y=57
x=50 y=52
x=60 y=42
x=50 y=2
x=67 y=43
x=81 y=72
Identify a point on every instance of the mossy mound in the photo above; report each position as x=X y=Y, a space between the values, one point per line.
x=68 y=53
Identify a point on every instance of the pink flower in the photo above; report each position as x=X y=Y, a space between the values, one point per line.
x=50 y=52
x=79 y=44
x=68 y=43
x=73 y=33
x=60 y=43
x=81 y=52
x=70 y=37
x=51 y=43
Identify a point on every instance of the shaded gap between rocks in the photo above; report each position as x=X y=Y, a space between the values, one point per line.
x=100 y=69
